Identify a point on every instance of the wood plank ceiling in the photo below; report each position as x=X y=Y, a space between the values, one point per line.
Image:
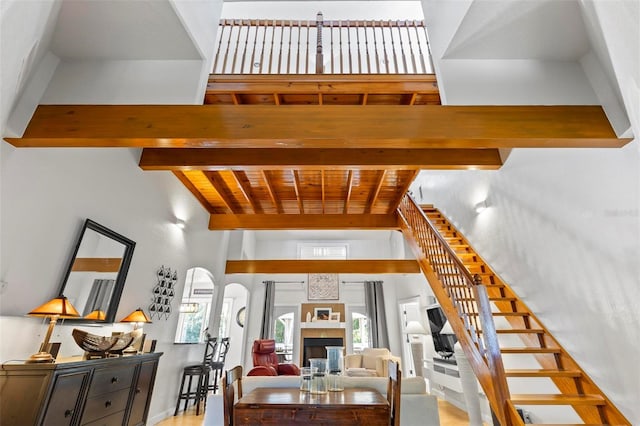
x=309 y=190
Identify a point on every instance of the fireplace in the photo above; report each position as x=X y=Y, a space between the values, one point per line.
x=314 y=347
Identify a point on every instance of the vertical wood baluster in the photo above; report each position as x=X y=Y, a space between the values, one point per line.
x=393 y=48
x=319 y=53
x=289 y=51
x=358 y=47
x=255 y=44
x=413 y=56
x=215 y=62
x=384 y=49
x=273 y=35
x=246 y=44
x=226 y=53
x=426 y=37
x=424 y=66
x=235 y=51
x=280 y=53
x=298 y=50
x=264 y=39
x=366 y=47
x=349 y=46
x=306 y=67
x=375 y=48
x=404 y=57
x=340 y=29
x=332 y=52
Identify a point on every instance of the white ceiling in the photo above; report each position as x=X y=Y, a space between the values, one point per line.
x=541 y=29
x=121 y=30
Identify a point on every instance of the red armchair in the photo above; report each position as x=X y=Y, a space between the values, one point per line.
x=265 y=361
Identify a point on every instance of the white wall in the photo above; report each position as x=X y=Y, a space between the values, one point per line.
x=47 y=194
x=563 y=226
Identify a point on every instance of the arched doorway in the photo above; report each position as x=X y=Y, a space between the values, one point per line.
x=195 y=306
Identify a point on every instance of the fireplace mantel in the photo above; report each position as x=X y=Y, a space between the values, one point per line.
x=323 y=324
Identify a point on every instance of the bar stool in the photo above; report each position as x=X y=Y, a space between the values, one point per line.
x=199 y=372
x=218 y=365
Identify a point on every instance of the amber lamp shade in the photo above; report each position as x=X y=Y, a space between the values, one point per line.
x=96 y=315
x=60 y=307
x=137 y=317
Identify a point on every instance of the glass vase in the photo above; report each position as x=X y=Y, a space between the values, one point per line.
x=335 y=367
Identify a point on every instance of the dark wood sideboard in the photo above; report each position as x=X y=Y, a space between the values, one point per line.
x=98 y=392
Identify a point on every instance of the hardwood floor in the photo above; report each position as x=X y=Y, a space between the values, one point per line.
x=449 y=416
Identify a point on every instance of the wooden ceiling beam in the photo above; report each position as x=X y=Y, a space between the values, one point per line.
x=354 y=126
x=297 y=188
x=272 y=194
x=375 y=191
x=245 y=187
x=196 y=193
x=349 y=188
x=330 y=84
x=302 y=221
x=226 y=196
x=360 y=266
x=318 y=158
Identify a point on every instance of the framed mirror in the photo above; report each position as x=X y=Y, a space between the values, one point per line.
x=97 y=272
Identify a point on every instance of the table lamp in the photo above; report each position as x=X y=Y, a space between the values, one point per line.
x=56 y=308
x=137 y=317
x=415 y=329
x=96 y=315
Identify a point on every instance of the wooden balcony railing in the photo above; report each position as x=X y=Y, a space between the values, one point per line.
x=259 y=46
x=464 y=300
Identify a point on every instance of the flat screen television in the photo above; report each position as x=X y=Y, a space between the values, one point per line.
x=443 y=343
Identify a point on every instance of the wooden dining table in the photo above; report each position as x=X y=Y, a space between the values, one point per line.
x=290 y=406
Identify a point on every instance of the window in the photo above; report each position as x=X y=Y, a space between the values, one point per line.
x=360 y=327
x=283 y=335
x=322 y=251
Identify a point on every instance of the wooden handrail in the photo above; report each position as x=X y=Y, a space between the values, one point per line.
x=464 y=301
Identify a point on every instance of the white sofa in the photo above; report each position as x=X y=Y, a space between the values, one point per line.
x=417 y=407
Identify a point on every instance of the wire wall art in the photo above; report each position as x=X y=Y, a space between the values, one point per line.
x=163 y=293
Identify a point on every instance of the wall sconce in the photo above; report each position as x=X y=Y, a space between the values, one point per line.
x=56 y=308
x=181 y=223
x=481 y=206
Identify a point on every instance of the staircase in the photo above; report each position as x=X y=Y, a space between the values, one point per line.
x=493 y=323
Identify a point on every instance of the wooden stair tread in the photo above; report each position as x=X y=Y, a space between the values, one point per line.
x=491 y=299
x=530 y=350
x=557 y=399
x=502 y=314
x=542 y=373
x=518 y=331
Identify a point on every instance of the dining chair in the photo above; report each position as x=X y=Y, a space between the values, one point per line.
x=393 y=392
x=231 y=377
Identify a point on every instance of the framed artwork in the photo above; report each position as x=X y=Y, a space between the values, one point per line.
x=322 y=314
x=323 y=287
x=334 y=317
